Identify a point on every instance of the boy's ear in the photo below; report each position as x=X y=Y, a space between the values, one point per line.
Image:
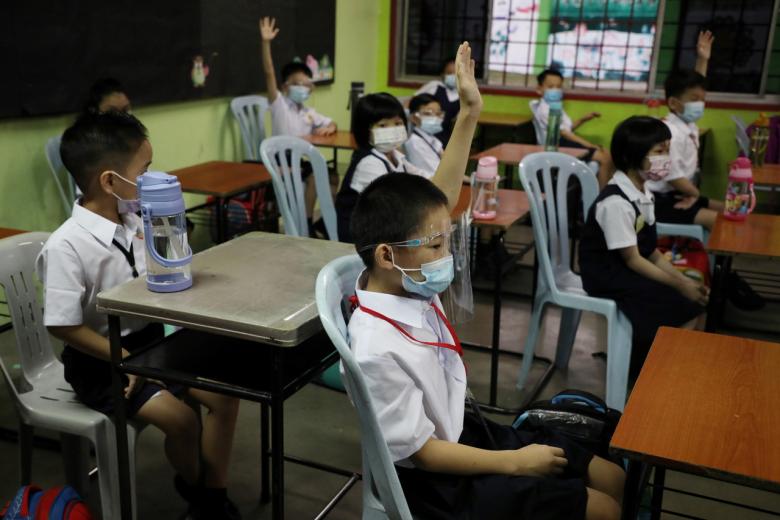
x=674 y=104
x=539 y=91
x=383 y=257
x=106 y=182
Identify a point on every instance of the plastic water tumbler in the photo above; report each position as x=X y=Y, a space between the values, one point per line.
x=484 y=191
x=740 y=197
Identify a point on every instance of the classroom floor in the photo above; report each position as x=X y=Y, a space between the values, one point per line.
x=321 y=425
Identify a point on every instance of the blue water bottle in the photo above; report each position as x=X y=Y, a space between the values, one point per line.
x=554 y=98
x=168 y=254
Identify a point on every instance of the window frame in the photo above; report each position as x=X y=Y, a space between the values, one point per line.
x=396 y=77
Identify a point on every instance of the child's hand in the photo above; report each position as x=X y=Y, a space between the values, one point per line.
x=592 y=115
x=268 y=29
x=685 y=202
x=538 y=460
x=468 y=90
x=695 y=292
x=133 y=385
x=704 y=45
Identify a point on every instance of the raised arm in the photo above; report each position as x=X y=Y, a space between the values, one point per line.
x=268 y=32
x=703 y=51
x=449 y=174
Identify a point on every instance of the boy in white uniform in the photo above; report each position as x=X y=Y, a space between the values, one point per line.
x=423 y=148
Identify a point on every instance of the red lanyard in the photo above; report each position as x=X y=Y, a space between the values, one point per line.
x=456 y=347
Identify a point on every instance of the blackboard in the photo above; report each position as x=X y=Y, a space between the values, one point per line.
x=51 y=52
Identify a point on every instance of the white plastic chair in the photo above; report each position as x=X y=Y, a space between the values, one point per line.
x=383 y=496
x=557 y=283
x=282 y=156
x=741 y=135
x=44 y=399
x=250 y=113
x=67 y=188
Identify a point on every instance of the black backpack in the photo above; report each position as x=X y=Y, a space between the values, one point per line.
x=577 y=415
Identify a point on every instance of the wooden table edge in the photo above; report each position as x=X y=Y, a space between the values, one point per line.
x=227 y=194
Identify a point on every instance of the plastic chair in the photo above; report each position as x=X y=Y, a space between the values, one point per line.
x=250 y=113
x=282 y=156
x=68 y=189
x=383 y=496
x=557 y=283
x=44 y=399
x=683 y=230
x=741 y=135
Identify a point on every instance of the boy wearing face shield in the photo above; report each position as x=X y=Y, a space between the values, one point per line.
x=423 y=148
x=451 y=465
x=677 y=199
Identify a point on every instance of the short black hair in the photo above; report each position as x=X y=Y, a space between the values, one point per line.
x=633 y=139
x=419 y=101
x=391 y=209
x=293 y=67
x=678 y=81
x=99 y=142
x=447 y=61
x=548 y=72
x=100 y=89
x=370 y=109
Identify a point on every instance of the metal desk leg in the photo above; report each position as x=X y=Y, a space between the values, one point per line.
x=658 y=493
x=265 y=476
x=508 y=176
x=120 y=420
x=497 y=257
x=632 y=494
x=220 y=217
x=717 y=297
x=277 y=438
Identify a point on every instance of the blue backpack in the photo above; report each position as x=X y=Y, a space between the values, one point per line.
x=57 y=503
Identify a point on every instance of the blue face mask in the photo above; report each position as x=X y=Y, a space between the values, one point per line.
x=552 y=95
x=431 y=124
x=438 y=276
x=298 y=93
x=125 y=206
x=693 y=111
x=450 y=81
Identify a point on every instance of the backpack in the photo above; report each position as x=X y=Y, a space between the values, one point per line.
x=576 y=415
x=57 y=503
x=688 y=256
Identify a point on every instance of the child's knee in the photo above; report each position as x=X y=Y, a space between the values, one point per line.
x=182 y=421
x=601 y=506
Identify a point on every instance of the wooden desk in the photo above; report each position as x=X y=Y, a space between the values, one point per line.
x=9 y=232
x=767 y=176
x=510 y=155
x=340 y=140
x=705 y=404
x=222 y=180
x=251 y=331
x=502 y=119
x=758 y=236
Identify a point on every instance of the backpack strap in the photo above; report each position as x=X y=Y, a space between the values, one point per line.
x=19 y=508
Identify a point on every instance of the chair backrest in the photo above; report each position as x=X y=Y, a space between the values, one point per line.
x=741 y=135
x=250 y=113
x=548 y=202
x=62 y=179
x=282 y=156
x=17 y=276
x=335 y=283
x=534 y=106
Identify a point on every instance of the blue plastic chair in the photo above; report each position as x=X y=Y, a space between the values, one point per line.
x=741 y=135
x=67 y=187
x=383 y=496
x=557 y=284
x=282 y=156
x=250 y=113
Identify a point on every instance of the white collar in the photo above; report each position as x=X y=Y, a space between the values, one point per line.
x=428 y=138
x=292 y=104
x=630 y=190
x=402 y=309
x=675 y=120
x=396 y=153
x=100 y=227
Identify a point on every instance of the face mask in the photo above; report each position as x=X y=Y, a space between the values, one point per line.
x=438 y=276
x=388 y=138
x=431 y=124
x=450 y=81
x=298 y=93
x=693 y=111
x=125 y=206
x=659 y=168
x=553 y=94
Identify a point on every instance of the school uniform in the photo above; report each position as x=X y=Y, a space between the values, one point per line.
x=620 y=217
x=424 y=150
x=541 y=111
x=88 y=254
x=290 y=118
x=418 y=393
x=448 y=99
x=364 y=168
x=684 y=156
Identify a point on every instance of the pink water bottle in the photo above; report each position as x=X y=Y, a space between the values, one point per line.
x=740 y=197
x=484 y=189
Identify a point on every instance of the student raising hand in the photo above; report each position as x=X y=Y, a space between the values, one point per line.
x=703 y=51
x=468 y=90
x=268 y=29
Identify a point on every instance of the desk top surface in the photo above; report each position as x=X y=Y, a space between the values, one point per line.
x=341 y=139
x=221 y=178
x=767 y=175
x=258 y=287
x=513 y=153
x=9 y=232
x=502 y=119
x=707 y=403
x=512 y=206
x=758 y=235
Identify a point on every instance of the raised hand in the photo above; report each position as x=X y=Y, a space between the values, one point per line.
x=268 y=29
x=468 y=90
x=704 y=45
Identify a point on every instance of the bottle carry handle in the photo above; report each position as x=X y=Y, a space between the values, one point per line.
x=146 y=215
x=752 y=198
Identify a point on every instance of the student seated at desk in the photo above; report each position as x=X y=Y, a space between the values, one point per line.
x=411 y=359
x=677 y=199
x=99 y=247
x=618 y=255
x=445 y=92
x=107 y=94
x=552 y=79
x=423 y=148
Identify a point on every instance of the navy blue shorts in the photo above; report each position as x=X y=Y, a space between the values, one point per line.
x=666 y=212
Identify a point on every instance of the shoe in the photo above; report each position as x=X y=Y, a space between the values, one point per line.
x=223 y=510
x=742 y=295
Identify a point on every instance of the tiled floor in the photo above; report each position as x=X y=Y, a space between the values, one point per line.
x=321 y=424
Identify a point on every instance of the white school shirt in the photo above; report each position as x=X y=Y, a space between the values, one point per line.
x=375 y=164
x=290 y=118
x=541 y=111
x=418 y=391
x=432 y=86
x=616 y=216
x=683 y=153
x=424 y=150
x=79 y=261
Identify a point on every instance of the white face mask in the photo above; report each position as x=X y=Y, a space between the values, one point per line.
x=659 y=168
x=387 y=139
x=125 y=206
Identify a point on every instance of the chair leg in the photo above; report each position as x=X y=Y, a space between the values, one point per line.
x=108 y=480
x=570 y=321
x=619 y=333
x=75 y=459
x=25 y=453
x=530 y=341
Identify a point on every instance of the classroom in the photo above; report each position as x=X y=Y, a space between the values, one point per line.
x=390 y=259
